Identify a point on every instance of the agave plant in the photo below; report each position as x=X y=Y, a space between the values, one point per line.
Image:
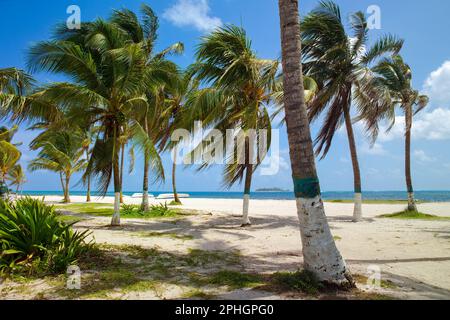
x=32 y=236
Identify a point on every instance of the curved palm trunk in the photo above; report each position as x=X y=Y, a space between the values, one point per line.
x=122 y=160
x=174 y=184
x=67 y=190
x=357 y=212
x=320 y=254
x=408 y=120
x=117 y=184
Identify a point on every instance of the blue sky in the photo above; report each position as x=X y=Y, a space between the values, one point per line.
x=423 y=24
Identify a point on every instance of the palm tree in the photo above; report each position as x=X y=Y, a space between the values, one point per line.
x=338 y=62
x=242 y=87
x=61 y=152
x=14 y=85
x=320 y=254
x=16 y=177
x=109 y=79
x=392 y=81
x=145 y=33
x=9 y=156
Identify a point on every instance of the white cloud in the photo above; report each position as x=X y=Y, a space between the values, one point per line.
x=421 y=156
x=376 y=150
x=194 y=13
x=434 y=125
x=437 y=86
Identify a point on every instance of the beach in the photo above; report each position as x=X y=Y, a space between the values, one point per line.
x=413 y=254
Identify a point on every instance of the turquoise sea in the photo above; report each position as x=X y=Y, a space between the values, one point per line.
x=426 y=196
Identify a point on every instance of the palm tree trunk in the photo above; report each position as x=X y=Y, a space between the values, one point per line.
x=357 y=212
x=63 y=186
x=88 y=193
x=174 y=184
x=122 y=160
x=408 y=121
x=144 y=205
x=67 y=190
x=320 y=254
x=117 y=182
x=248 y=183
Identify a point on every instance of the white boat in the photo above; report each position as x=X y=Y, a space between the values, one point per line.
x=171 y=196
x=140 y=195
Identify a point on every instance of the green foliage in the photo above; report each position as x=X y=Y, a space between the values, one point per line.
x=128 y=209
x=236 y=280
x=413 y=215
x=32 y=238
x=304 y=281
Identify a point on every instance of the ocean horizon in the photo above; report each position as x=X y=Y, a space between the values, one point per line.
x=425 y=196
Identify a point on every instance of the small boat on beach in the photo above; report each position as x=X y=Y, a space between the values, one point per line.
x=171 y=196
x=140 y=195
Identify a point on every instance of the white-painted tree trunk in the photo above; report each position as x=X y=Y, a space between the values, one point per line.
x=319 y=249
x=357 y=211
x=116 y=216
x=245 y=218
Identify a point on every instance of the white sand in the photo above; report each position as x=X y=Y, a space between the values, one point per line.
x=415 y=254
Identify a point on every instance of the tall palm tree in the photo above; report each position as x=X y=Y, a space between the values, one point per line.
x=14 y=85
x=338 y=62
x=145 y=33
x=61 y=152
x=392 y=81
x=109 y=78
x=320 y=254
x=242 y=87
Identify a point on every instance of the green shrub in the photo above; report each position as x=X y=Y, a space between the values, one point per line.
x=161 y=210
x=303 y=281
x=32 y=238
x=128 y=209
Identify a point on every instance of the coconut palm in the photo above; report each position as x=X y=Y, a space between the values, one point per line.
x=392 y=80
x=14 y=85
x=16 y=177
x=9 y=156
x=61 y=152
x=241 y=88
x=109 y=77
x=338 y=62
x=320 y=254
x=145 y=34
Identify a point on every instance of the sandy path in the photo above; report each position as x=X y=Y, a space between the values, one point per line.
x=415 y=254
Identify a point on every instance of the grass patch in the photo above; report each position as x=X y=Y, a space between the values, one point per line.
x=236 y=280
x=337 y=238
x=386 y=284
x=302 y=281
x=175 y=203
x=413 y=215
x=198 y=257
x=198 y=294
x=169 y=235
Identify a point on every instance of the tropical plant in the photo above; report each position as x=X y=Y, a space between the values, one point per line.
x=61 y=152
x=9 y=156
x=242 y=88
x=392 y=85
x=152 y=117
x=110 y=76
x=320 y=255
x=16 y=177
x=32 y=238
x=339 y=63
x=14 y=85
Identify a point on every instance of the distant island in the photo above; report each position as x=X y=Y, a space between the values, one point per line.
x=271 y=190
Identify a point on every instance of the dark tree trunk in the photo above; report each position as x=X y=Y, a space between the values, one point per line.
x=320 y=254
x=357 y=212
x=122 y=160
x=117 y=182
x=408 y=122
x=174 y=181
x=88 y=193
x=145 y=206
